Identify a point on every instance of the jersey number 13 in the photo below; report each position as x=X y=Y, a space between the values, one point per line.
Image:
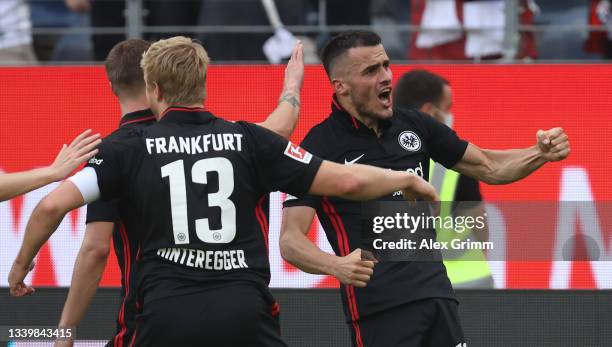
x=175 y=172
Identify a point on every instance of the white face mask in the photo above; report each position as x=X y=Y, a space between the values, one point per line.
x=448 y=120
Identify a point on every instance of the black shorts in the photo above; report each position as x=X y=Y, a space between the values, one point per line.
x=424 y=323
x=235 y=315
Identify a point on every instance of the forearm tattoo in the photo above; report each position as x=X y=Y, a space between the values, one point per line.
x=292 y=99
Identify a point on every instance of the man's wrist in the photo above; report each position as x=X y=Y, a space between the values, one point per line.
x=50 y=173
x=291 y=88
x=410 y=180
x=539 y=153
x=291 y=98
x=20 y=263
x=333 y=265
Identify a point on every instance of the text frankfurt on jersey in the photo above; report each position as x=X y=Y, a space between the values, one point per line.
x=207 y=260
x=195 y=144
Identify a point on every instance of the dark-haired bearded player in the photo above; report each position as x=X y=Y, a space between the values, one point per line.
x=404 y=303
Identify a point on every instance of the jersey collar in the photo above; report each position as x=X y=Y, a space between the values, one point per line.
x=140 y=116
x=352 y=123
x=179 y=114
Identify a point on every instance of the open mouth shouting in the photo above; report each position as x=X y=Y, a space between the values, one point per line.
x=384 y=96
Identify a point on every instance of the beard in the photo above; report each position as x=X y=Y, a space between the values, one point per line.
x=365 y=111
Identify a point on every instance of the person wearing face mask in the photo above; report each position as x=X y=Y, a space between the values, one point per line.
x=432 y=94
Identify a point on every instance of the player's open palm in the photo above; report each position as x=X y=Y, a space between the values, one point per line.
x=554 y=144
x=420 y=189
x=294 y=72
x=353 y=270
x=82 y=148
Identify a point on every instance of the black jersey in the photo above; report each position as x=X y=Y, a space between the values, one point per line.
x=124 y=245
x=407 y=142
x=192 y=184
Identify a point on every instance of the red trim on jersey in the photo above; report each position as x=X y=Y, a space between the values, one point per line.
x=137 y=120
x=184 y=109
x=275 y=309
x=133 y=338
x=118 y=340
x=358 y=337
x=337 y=103
x=355 y=123
x=344 y=248
x=261 y=218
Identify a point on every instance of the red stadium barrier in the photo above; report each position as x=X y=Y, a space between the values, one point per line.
x=494 y=106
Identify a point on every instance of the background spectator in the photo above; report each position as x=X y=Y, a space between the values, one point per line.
x=243 y=46
x=56 y=47
x=15 y=32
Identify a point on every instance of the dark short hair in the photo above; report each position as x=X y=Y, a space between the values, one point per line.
x=418 y=87
x=344 y=41
x=123 y=66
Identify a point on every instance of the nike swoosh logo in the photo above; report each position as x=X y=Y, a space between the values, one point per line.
x=346 y=162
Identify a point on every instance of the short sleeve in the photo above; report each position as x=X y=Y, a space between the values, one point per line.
x=312 y=143
x=306 y=200
x=109 y=168
x=103 y=211
x=280 y=164
x=445 y=147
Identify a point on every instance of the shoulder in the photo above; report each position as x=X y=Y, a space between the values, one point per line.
x=321 y=130
x=415 y=119
x=247 y=128
x=122 y=140
x=320 y=136
x=411 y=115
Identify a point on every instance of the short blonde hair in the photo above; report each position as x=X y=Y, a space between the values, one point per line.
x=178 y=65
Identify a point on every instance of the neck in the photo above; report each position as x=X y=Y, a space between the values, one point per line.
x=163 y=107
x=370 y=122
x=129 y=105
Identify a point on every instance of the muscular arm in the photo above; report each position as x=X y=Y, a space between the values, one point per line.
x=45 y=218
x=284 y=118
x=364 y=182
x=507 y=166
x=355 y=182
x=499 y=166
x=68 y=159
x=298 y=250
x=88 y=269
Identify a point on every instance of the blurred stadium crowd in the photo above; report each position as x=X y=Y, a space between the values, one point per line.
x=39 y=31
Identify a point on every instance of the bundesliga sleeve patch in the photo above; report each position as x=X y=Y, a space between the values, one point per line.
x=297 y=153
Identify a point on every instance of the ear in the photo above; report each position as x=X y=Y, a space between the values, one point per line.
x=112 y=88
x=158 y=92
x=340 y=87
x=427 y=108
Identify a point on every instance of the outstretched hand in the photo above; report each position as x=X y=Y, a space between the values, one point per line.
x=294 y=72
x=82 y=148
